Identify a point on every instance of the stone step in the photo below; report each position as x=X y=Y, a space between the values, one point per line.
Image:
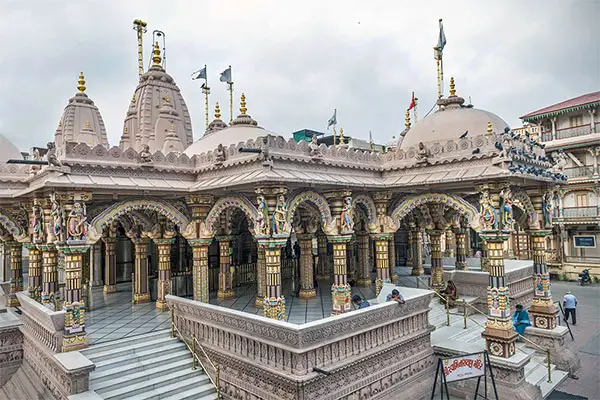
x=110 y=383
x=558 y=377
x=110 y=373
x=146 y=354
x=538 y=374
x=203 y=392
x=97 y=348
x=172 y=390
x=136 y=347
x=141 y=388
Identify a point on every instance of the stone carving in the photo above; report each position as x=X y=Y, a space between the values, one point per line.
x=560 y=161
x=262 y=217
x=77 y=222
x=219 y=154
x=369 y=206
x=279 y=216
x=488 y=214
x=346 y=216
x=51 y=155
x=56 y=214
x=547 y=209
x=410 y=203
x=327 y=222
x=423 y=154
x=37 y=224
x=145 y=156
x=507 y=220
x=315 y=151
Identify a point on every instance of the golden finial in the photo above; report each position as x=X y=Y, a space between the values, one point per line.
x=172 y=128
x=60 y=123
x=452 y=87
x=407 y=120
x=341 y=135
x=243 y=108
x=81 y=83
x=217 y=111
x=489 y=128
x=156 y=57
x=167 y=100
x=87 y=124
x=133 y=99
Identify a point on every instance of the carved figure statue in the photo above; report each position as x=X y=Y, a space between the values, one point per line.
x=346 y=222
x=547 y=209
x=37 y=224
x=263 y=216
x=145 y=155
x=36 y=157
x=488 y=214
x=76 y=222
x=315 y=151
x=51 y=155
x=219 y=154
x=279 y=216
x=57 y=218
x=422 y=154
x=560 y=161
x=508 y=221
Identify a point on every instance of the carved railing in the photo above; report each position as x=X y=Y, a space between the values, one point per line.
x=45 y=325
x=573 y=131
x=580 y=212
x=583 y=260
x=579 y=172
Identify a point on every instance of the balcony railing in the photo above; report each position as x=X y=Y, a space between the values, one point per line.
x=586 y=260
x=546 y=136
x=573 y=132
x=578 y=172
x=580 y=212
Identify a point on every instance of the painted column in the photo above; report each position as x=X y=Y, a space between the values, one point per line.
x=164 y=271
x=437 y=271
x=449 y=251
x=16 y=273
x=110 y=264
x=340 y=290
x=75 y=337
x=542 y=311
x=392 y=256
x=382 y=261
x=96 y=265
x=484 y=258
x=418 y=269
x=364 y=268
x=461 y=249
x=274 y=301
x=35 y=272
x=50 y=292
x=141 y=293
x=307 y=290
x=261 y=278
x=225 y=275
x=323 y=257
x=5 y=266
x=200 y=268
x=410 y=258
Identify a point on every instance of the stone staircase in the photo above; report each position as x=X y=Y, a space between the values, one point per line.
x=151 y=366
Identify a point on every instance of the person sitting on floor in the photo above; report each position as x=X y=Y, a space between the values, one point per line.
x=520 y=320
x=360 y=302
x=395 y=296
x=449 y=292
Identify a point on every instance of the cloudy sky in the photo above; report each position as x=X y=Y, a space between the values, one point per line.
x=296 y=61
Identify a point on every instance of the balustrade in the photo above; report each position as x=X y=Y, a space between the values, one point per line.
x=580 y=212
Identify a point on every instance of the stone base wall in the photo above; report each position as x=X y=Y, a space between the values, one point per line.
x=11 y=351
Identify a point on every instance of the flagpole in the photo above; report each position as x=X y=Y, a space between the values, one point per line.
x=439 y=76
x=415 y=108
x=334 y=134
x=206 y=91
x=230 y=84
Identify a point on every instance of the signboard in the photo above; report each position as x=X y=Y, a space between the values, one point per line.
x=585 y=241
x=465 y=367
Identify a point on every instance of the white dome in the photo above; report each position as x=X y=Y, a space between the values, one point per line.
x=8 y=151
x=450 y=122
x=228 y=136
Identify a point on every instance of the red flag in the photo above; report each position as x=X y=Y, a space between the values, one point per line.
x=413 y=104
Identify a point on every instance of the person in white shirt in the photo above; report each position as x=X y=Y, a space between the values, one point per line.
x=570 y=306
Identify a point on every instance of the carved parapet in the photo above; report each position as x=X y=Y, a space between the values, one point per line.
x=554 y=340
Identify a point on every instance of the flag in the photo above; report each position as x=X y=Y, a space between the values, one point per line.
x=200 y=74
x=413 y=103
x=226 y=75
x=333 y=119
x=441 y=42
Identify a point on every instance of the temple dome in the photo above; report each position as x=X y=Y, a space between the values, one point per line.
x=241 y=129
x=81 y=121
x=8 y=151
x=156 y=107
x=450 y=121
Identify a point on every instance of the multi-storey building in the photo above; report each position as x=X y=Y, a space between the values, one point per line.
x=571 y=132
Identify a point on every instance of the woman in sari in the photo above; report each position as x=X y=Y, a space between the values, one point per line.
x=520 y=320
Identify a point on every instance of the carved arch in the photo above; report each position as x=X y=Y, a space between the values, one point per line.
x=370 y=210
x=239 y=202
x=12 y=226
x=315 y=199
x=408 y=204
x=524 y=203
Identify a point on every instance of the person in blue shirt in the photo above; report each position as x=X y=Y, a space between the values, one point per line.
x=360 y=302
x=520 y=320
x=570 y=306
x=395 y=296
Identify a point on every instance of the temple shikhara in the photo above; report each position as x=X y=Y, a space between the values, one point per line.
x=221 y=261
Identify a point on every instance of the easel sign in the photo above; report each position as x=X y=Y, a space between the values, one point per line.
x=463 y=367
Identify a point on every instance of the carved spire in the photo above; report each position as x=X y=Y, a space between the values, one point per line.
x=81 y=83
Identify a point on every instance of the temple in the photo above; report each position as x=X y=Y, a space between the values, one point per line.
x=242 y=250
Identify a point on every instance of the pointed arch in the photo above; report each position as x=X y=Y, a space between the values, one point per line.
x=408 y=204
x=369 y=206
x=523 y=201
x=222 y=204
x=12 y=226
x=316 y=199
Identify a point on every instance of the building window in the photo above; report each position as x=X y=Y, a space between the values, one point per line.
x=581 y=200
x=576 y=121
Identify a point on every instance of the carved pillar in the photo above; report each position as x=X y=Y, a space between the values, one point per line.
x=450 y=244
x=340 y=290
x=96 y=265
x=437 y=271
x=543 y=311
x=164 y=271
x=200 y=268
x=324 y=272
x=5 y=266
x=16 y=273
x=484 y=257
x=75 y=337
x=461 y=248
x=35 y=272
x=307 y=290
x=274 y=301
x=364 y=268
x=410 y=258
x=140 y=284
x=418 y=269
x=225 y=275
x=392 y=256
x=50 y=292
x=382 y=261
x=110 y=264
x=261 y=278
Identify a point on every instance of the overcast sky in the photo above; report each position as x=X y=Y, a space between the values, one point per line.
x=296 y=61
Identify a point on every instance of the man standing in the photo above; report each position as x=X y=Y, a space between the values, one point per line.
x=570 y=305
